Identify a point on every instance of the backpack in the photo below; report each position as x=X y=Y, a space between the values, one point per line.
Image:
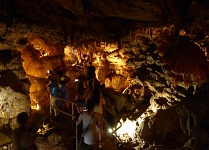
x=54 y=89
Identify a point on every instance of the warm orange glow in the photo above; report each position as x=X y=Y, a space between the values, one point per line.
x=43 y=130
x=70 y=54
x=36 y=107
x=40 y=45
x=128 y=128
x=44 y=55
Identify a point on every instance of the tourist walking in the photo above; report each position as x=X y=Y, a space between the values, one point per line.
x=91 y=74
x=90 y=122
x=98 y=109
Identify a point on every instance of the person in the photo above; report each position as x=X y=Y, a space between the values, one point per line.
x=91 y=74
x=54 y=92
x=24 y=135
x=90 y=122
x=84 y=93
x=64 y=91
x=85 y=68
x=98 y=109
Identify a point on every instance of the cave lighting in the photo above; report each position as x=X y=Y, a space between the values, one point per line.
x=128 y=129
x=41 y=48
x=154 y=109
x=98 y=59
x=117 y=59
x=37 y=47
x=76 y=80
x=69 y=52
x=110 y=130
x=35 y=107
x=43 y=130
x=44 y=55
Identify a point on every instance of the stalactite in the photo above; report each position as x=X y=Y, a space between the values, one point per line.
x=147 y=31
x=189 y=125
x=151 y=32
x=171 y=29
x=133 y=36
x=182 y=119
x=119 y=41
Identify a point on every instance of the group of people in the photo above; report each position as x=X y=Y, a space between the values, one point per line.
x=58 y=88
x=90 y=105
x=91 y=118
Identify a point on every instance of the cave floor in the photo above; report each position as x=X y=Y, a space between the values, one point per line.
x=63 y=126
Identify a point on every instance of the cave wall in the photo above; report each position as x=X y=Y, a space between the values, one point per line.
x=14 y=88
x=162 y=128
x=152 y=76
x=149 y=74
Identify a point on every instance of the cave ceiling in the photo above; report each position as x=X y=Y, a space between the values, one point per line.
x=104 y=19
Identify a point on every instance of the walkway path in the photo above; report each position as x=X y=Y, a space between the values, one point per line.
x=67 y=127
x=68 y=132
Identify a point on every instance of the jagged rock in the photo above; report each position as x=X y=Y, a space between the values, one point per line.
x=14 y=97
x=130 y=46
x=190 y=143
x=36 y=66
x=52 y=142
x=196 y=70
x=162 y=128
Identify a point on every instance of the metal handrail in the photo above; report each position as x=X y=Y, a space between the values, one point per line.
x=79 y=69
x=115 y=129
x=67 y=101
x=71 y=115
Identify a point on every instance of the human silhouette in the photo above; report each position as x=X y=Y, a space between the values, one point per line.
x=24 y=135
x=91 y=74
x=90 y=122
x=64 y=91
x=98 y=108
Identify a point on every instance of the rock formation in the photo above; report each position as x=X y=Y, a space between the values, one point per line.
x=155 y=72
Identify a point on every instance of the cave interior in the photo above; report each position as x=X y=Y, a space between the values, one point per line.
x=151 y=56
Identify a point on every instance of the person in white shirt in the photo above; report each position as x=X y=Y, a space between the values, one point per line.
x=90 y=122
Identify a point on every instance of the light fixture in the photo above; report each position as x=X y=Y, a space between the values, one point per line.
x=76 y=80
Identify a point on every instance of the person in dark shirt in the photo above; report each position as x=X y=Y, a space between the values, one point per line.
x=91 y=74
x=84 y=94
x=64 y=91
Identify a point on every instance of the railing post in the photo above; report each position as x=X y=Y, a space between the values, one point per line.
x=115 y=126
x=76 y=137
x=72 y=115
x=67 y=113
x=72 y=112
x=50 y=109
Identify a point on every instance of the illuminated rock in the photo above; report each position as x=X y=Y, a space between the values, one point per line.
x=161 y=128
x=14 y=90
